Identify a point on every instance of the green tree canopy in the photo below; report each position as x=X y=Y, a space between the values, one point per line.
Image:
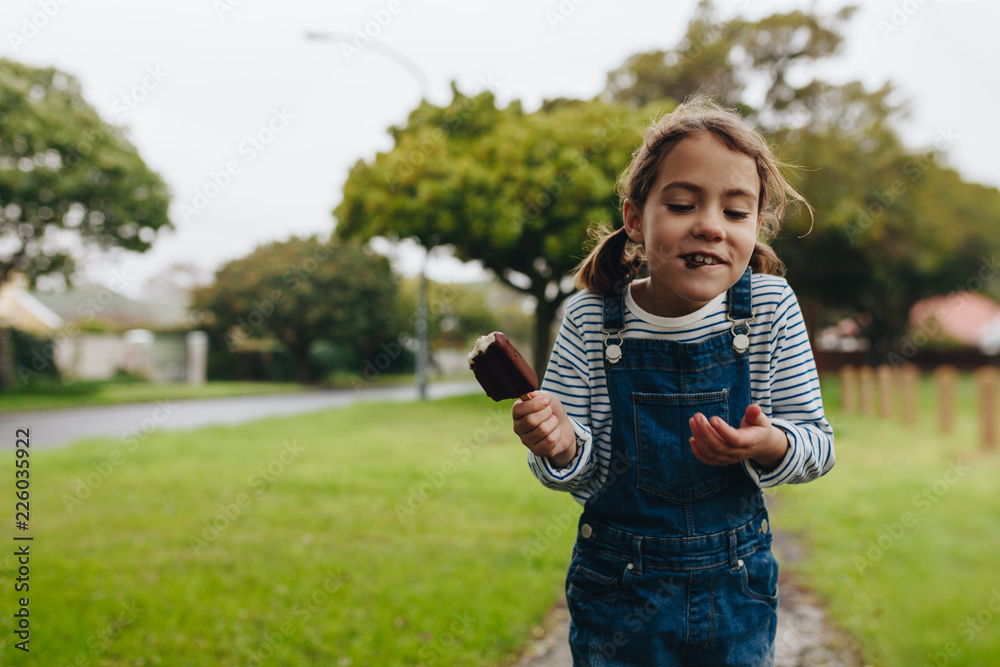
x=300 y=292
x=64 y=172
x=723 y=58
x=892 y=225
x=514 y=190
x=69 y=182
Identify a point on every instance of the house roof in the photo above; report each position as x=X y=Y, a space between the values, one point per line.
x=962 y=316
x=94 y=302
x=24 y=312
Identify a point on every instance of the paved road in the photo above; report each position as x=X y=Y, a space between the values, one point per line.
x=55 y=428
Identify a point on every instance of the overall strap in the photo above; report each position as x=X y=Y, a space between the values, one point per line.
x=614 y=312
x=740 y=301
x=614 y=325
x=740 y=312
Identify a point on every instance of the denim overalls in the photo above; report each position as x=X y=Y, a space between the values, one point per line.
x=672 y=563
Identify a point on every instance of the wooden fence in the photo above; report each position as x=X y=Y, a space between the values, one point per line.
x=886 y=392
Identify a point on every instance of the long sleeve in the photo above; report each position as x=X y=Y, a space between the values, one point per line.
x=567 y=378
x=796 y=405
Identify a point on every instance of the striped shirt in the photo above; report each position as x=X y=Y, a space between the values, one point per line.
x=783 y=382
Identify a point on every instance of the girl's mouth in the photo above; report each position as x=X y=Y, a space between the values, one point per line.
x=698 y=259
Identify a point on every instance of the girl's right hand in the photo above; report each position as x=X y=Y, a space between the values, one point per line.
x=544 y=427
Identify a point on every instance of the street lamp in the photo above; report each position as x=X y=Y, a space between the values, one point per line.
x=406 y=63
x=396 y=56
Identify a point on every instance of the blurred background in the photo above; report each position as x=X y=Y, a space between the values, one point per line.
x=229 y=197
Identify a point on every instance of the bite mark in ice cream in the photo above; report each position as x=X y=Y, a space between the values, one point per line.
x=500 y=369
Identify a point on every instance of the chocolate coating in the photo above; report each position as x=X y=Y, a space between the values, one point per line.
x=501 y=370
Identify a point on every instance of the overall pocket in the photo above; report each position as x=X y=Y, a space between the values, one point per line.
x=665 y=465
x=760 y=576
x=595 y=576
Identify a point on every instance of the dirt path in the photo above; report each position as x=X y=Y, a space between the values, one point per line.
x=806 y=635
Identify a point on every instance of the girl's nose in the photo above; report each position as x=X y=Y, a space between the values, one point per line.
x=708 y=226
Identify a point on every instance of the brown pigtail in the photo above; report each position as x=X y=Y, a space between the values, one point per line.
x=612 y=263
x=765 y=260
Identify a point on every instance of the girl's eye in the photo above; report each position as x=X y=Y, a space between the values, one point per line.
x=737 y=215
x=679 y=208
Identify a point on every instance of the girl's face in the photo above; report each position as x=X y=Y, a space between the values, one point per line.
x=698 y=225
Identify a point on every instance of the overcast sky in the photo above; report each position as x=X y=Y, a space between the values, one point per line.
x=209 y=85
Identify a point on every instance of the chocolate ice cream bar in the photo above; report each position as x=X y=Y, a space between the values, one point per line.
x=500 y=368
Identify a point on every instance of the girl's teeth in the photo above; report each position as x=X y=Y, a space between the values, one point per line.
x=702 y=259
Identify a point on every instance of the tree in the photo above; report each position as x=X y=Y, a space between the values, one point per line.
x=63 y=169
x=69 y=182
x=725 y=58
x=701 y=62
x=893 y=227
x=514 y=190
x=890 y=226
x=301 y=292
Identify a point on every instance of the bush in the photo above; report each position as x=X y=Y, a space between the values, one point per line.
x=33 y=356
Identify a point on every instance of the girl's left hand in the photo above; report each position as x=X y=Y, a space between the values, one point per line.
x=716 y=443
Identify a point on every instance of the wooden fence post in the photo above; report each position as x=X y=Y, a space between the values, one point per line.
x=945 y=378
x=909 y=379
x=986 y=379
x=849 y=389
x=884 y=375
x=866 y=379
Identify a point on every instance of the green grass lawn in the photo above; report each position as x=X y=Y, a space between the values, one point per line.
x=44 y=395
x=382 y=534
x=903 y=536
x=408 y=534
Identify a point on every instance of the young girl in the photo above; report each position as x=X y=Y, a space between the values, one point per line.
x=670 y=401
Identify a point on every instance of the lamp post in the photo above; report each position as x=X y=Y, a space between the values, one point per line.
x=392 y=54
x=406 y=63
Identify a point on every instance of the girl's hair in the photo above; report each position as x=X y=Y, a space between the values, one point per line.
x=615 y=259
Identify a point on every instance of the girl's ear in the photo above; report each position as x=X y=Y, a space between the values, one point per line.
x=633 y=223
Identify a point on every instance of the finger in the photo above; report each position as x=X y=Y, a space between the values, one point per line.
x=535 y=403
x=755 y=416
x=532 y=421
x=709 y=446
x=720 y=443
x=558 y=409
x=705 y=454
x=523 y=405
x=731 y=436
x=706 y=434
x=701 y=451
x=545 y=440
x=531 y=437
x=696 y=450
